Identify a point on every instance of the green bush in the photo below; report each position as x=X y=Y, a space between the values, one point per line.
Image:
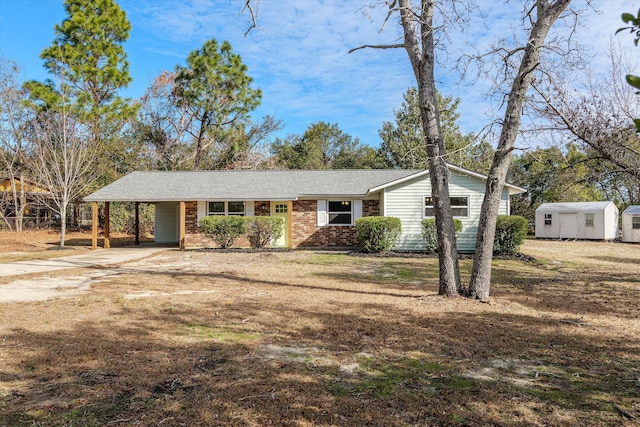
x=510 y=234
x=430 y=233
x=260 y=230
x=224 y=230
x=378 y=233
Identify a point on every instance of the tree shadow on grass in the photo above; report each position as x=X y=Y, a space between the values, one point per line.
x=197 y=361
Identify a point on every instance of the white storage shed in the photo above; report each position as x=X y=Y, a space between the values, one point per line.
x=631 y=224
x=577 y=220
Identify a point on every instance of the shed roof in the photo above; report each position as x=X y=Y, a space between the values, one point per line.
x=632 y=210
x=573 y=206
x=157 y=186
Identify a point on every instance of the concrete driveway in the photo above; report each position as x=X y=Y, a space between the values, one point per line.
x=96 y=258
x=44 y=287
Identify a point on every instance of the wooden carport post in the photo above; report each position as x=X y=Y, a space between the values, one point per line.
x=137 y=224
x=94 y=225
x=290 y=224
x=183 y=227
x=107 y=242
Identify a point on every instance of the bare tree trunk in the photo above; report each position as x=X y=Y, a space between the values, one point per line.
x=63 y=224
x=547 y=13
x=200 y=142
x=421 y=55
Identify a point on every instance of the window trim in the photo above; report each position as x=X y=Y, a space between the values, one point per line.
x=226 y=208
x=468 y=206
x=589 y=219
x=329 y=212
x=548 y=219
x=635 y=222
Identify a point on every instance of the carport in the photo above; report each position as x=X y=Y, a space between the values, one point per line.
x=95 y=200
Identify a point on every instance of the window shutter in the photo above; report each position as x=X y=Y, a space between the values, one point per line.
x=249 y=208
x=202 y=209
x=357 y=210
x=322 y=213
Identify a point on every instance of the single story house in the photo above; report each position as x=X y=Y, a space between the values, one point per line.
x=631 y=224
x=577 y=220
x=319 y=207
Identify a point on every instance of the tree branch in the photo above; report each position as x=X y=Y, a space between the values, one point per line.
x=376 y=46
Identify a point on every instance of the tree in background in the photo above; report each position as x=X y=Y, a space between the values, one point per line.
x=552 y=175
x=403 y=141
x=63 y=156
x=162 y=125
x=14 y=132
x=596 y=114
x=215 y=88
x=164 y=132
x=324 y=146
x=88 y=50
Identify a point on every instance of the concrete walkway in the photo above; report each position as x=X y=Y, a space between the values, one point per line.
x=96 y=258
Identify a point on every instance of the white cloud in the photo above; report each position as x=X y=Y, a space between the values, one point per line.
x=299 y=57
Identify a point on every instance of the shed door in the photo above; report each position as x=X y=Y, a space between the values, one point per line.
x=568 y=225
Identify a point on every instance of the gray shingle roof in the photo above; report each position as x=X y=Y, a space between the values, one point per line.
x=159 y=186
x=156 y=186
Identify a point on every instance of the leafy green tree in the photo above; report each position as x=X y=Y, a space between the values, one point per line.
x=216 y=89
x=88 y=53
x=552 y=175
x=403 y=141
x=325 y=146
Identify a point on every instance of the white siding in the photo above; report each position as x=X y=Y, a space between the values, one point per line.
x=166 y=222
x=628 y=233
x=405 y=201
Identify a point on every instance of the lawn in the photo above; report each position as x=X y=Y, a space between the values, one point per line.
x=307 y=338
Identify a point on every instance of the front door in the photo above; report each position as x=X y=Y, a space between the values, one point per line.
x=281 y=210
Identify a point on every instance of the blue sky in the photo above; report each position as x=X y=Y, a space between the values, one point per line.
x=299 y=56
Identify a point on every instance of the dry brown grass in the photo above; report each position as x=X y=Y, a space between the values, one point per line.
x=43 y=244
x=327 y=339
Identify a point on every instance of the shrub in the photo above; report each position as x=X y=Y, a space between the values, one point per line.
x=430 y=233
x=261 y=230
x=378 y=233
x=224 y=230
x=510 y=234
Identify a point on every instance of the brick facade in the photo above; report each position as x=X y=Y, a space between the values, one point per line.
x=305 y=232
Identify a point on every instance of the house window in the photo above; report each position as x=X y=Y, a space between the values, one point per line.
x=226 y=208
x=547 y=219
x=459 y=207
x=281 y=208
x=340 y=212
x=635 y=222
x=588 y=220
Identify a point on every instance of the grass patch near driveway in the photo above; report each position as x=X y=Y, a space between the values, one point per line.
x=327 y=339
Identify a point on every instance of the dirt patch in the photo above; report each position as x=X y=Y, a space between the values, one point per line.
x=326 y=339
